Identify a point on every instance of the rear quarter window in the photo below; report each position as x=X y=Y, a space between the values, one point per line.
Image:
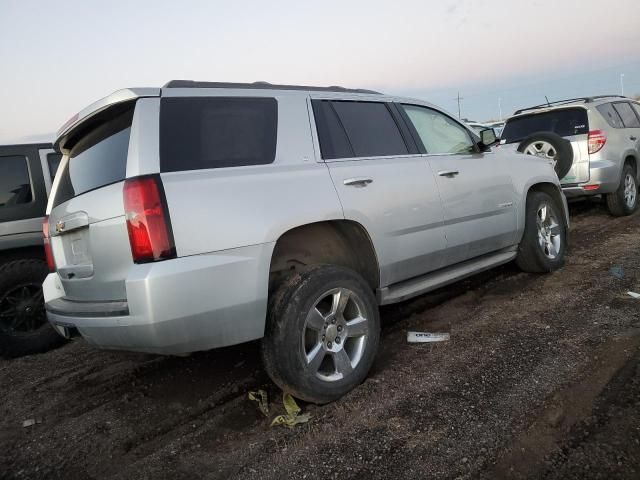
x=565 y=122
x=97 y=158
x=15 y=182
x=216 y=132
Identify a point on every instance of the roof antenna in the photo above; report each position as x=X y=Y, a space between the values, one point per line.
x=547 y=99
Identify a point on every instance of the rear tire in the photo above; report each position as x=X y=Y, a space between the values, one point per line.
x=24 y=328
x=544 y=242
x=624 y=200
x=550 y=146
x=322 y=335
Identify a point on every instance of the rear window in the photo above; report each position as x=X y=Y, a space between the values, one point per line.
x=15 y=183
x=610 y=115
x=371 y=129
x=565 y=122
x=333 y=139
x=215 y=132
x=97 y=158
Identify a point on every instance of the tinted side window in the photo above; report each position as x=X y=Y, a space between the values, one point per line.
x=371 y=129
x=15 y=183
x=439 y=133
x=610 y=115
x=627 y=115
x=565 y=122
x=332 y=137
x=215 y=132
x=98 y=158
x=53 y=159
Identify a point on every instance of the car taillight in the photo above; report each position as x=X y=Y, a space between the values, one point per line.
x=47 y=245
x=597 y=139
x=148 y=222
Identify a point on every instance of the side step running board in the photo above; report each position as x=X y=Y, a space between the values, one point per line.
x=419 y=285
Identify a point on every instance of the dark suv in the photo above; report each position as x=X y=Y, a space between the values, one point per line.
x=26 y=175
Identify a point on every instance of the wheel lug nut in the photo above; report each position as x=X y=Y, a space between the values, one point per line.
x=323 y=337
x=329 y=344
x=337 y=339
x=339 y=328
x=333 y=320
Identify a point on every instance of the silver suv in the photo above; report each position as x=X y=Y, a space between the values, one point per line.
x=201 y=215
x=604 y=132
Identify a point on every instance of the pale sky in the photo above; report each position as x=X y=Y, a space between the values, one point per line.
x=57 y=57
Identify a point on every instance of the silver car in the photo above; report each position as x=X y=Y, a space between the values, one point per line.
x=201 y=215
x=604 y=132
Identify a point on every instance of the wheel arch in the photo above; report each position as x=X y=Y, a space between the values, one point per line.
x=340 y=242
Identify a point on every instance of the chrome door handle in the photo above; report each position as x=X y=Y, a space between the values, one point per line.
x=357 y=182
x=448 y=173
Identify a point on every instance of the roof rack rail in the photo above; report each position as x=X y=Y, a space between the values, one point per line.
x=567 y=101
x=262 y=85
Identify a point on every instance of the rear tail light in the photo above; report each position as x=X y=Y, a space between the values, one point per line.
x=148 y=221
x=597 y=139
x=47 y=245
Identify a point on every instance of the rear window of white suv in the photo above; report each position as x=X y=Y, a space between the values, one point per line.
x=98 y=155
x=565 y=122
x=215 y=132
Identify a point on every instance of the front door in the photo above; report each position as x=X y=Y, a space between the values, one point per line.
x=476 y=190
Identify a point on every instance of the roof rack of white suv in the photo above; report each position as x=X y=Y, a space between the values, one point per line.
x=261 y=85
x=567 y=101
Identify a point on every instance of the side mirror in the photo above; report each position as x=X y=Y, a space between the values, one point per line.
x=487 y=138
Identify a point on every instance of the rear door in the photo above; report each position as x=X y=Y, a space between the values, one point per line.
x=383 y=184
x=478 y=196
x=87 y=226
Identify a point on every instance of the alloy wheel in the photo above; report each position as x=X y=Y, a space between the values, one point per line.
x=335 y=334
x=549 y=231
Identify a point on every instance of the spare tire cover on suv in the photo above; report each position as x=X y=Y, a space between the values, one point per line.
x=551 y=146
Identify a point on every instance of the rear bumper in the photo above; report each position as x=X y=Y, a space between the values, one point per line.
x=603 y=174
x=176 y=306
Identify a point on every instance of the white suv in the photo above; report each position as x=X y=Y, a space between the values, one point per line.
x=202 y=215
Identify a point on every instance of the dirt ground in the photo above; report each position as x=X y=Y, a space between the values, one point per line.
x=541 y=379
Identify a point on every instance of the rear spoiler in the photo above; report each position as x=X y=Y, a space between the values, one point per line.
x=117 y=97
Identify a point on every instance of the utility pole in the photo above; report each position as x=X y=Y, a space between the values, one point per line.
x=500 y=107
x=622 y=84
x=459 y=98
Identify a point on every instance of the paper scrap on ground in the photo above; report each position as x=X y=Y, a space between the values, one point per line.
x=30 y=422
x=424 y=337
x=634 y=294
x=261 y=398
x=293 y=415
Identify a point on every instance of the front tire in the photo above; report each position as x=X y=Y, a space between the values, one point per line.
x=544 y=242
x=322 y=333
x=624 y=200
x=24 y=328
